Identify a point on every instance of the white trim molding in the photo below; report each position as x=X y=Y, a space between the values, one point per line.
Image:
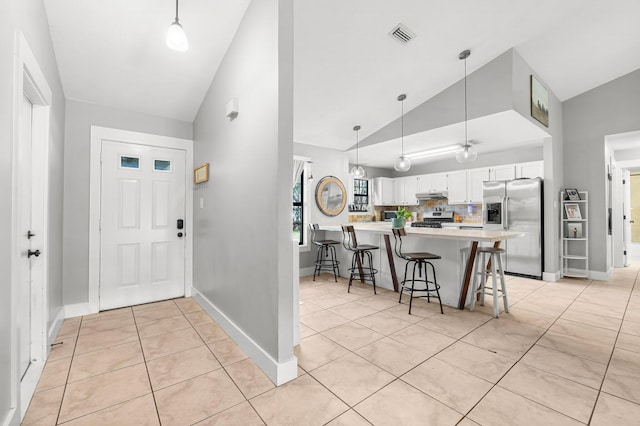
x=98 y=134
x=279 y=372
x=551 y=276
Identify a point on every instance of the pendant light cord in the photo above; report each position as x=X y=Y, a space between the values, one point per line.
x=357 y=149
x=466 y=140
x=402 y=129
x=176 y=10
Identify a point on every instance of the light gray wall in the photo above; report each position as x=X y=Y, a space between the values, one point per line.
x=80 y=116
x=243 y=260
x=609 y=109
x=27 y=16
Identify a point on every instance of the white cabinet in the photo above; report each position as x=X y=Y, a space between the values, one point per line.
x=574 y=234
x=530 y=170
x=434 y=182
x=506 y=172
x=475 y=178
x=457 y=187
x=405 y=189
x=383 y=191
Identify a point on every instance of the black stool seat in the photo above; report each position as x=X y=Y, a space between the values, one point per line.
x=360 y=247
x=325 y=242
x=420 y=256
x=361 y=252
x=326 y=257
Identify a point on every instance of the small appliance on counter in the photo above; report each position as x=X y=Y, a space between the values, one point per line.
x=388 y=215
x=434 y=219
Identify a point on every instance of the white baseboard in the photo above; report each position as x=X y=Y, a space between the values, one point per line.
x=278 y=372
x=54 y=329
x=78 y=310
x=10 y=419
x=551 y=276
x=28 y=385
x=601 y=276
x=307 y=271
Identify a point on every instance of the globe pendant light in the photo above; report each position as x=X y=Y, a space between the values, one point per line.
x=402 y=163
x=176 y=37
x=357 y=170
x=466 y=153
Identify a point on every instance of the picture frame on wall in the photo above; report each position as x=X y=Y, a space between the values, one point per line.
x=539 y=102
x=572 y=195
x=201 y=173
x=572 y=211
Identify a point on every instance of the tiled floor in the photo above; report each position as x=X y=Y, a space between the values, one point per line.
x=567 y=353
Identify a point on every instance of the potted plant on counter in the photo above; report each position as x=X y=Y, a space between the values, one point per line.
x=402 y=214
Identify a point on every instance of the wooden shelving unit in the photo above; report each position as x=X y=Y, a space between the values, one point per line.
x=574 y=234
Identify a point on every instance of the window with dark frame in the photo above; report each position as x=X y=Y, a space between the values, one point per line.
x=298 y=210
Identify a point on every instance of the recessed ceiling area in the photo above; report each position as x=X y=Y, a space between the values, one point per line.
x=496 y=132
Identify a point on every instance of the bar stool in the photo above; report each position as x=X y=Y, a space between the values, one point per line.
x=360 y=251
x=326 y=258
x=485 y=263
x=419 y=260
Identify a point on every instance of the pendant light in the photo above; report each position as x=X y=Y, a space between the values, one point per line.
x=357 y=170
x=466 y=153
x=176 y=37
x=402 y=163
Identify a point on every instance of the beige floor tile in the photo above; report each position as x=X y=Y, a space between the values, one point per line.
x=501 y=407
x=169 y=343
x=426 y=341
x=105 y=360
x=196 y=399
x=310 y=292
x=154 y=305
x=308 y=307
x=350 y=418
x=226 y=351
x=98 y=392
x=352 y=335
x=393 y=356
x=565 y=396
x=418 y=313
x=198 y=317
x=586 y=332
x=329 y=300
x=590 y=350
x=210 y=332
x=163 y=326
x=63 y=350
x=242 y=414
x=631 y=327
x=109 y=323
x=401 y=404
x=546 y=305
x=306 y=331
x=628 y=342
x=570 y=367
x=352 y=311
x=378 y=303
x=107 y=314
x=623 y=376
x=467 y=422
x=455 y=326
x=302 y=401
x=598 y=309
x=592 y=319
x=69 y=328
x=54 y=374
x=156 y=313
x=104 y=339
x=352 y=378
x=450 y=385
x=139 y=411
x=317 y=350
x=535 y=319
x=187 y=305
x=384 y=323
x=478 y=361
x=611 y=410
x=322 y=320
x=180 y=366
x=44 y=407
x=249 y=378
x=508 y=338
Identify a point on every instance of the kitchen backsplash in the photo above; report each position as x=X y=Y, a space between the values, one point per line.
x=471 y=213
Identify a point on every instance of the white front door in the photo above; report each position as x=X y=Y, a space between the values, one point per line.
x=142 y=224
x=24 y=238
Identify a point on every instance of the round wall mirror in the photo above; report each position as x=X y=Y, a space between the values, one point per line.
x=331 y=197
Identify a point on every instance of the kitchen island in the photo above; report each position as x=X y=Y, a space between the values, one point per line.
x=454 y=245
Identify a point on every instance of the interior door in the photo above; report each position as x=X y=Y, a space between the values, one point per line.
x=142 y=224
x=24 y=158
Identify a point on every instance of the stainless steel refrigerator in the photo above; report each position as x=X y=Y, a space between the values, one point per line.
x=516 y=205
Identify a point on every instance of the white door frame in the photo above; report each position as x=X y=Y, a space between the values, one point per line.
x=98 y=134
x=29 y=79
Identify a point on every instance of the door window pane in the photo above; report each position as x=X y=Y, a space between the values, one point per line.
x=162 y=165
x=129 y=162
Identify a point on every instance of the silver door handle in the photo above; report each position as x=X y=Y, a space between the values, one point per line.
x=505 y=207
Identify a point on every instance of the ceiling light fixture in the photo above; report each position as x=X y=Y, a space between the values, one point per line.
x=176 y=37
x=466 y=153
x=433 y=152
x=402 y=163
x=357 y=170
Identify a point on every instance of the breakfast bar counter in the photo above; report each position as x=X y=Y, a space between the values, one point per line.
x=454 y=273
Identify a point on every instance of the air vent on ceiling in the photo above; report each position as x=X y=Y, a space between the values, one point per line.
x=401 y=33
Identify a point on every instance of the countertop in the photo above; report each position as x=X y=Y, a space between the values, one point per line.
x=462 y=224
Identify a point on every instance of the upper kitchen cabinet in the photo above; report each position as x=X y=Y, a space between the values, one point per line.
x=457 y=187
x=475 y=178
x=383 y=191
x=405 y=189
x=434 y=182
x=530 y=170
x=506 y=172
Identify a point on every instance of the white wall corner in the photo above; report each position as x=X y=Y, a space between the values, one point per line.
x=78 y=310
x=278 y=372
x=306 y=271
x=551 y=276
x=55 y=328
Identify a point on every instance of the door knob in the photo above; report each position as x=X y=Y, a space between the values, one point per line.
x=180 y=234
x=30 y=234
x=33 y=253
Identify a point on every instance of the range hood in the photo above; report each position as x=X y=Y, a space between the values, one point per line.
x=431 y=195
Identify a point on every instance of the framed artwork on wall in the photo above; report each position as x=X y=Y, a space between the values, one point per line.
x=572 y=194
x=572 y=210
x=201 y=173
x=539 y=102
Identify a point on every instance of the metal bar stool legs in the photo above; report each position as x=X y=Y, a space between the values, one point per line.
x=362 y=259
x=326 y=259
